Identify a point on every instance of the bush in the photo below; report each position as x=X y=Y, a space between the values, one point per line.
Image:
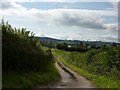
x=22 y=52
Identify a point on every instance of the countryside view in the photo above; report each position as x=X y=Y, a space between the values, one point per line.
x=60 y=44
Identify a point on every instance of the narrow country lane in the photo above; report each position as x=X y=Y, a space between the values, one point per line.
x=69 y=78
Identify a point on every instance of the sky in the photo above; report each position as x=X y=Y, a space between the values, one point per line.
x=64 y=19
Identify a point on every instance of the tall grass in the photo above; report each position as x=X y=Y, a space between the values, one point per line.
x=24 y=61
x=30 y=79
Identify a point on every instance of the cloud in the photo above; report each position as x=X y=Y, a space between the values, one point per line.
x=12 y=8
x=113 y=27
x=91 y=19
x=110 y=38
x=78 y=36
x=10 y=5
x=64 y=17
x=71 y=1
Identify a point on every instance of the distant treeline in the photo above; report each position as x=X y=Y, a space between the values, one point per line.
x=76 y=48
x=81 y=47
x=74 y=45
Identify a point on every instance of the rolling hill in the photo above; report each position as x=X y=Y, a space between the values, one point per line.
x=53 y=42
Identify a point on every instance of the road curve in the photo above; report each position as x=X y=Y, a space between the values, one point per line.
x=69 y=78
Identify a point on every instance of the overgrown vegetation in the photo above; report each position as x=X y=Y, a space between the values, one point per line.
x=102 y=65
x=24 y=61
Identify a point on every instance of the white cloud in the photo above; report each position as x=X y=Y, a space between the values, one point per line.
x=71 y=1
x=92 y=19
x=12 y=8
x=78 y=36
x=63 y=17
x=113 y=27
x=9 y=5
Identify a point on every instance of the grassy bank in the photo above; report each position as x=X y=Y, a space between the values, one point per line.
x=25 y=63
x=30 y=79
x=77 y=62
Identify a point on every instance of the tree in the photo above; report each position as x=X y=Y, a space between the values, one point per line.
x=62 y=46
